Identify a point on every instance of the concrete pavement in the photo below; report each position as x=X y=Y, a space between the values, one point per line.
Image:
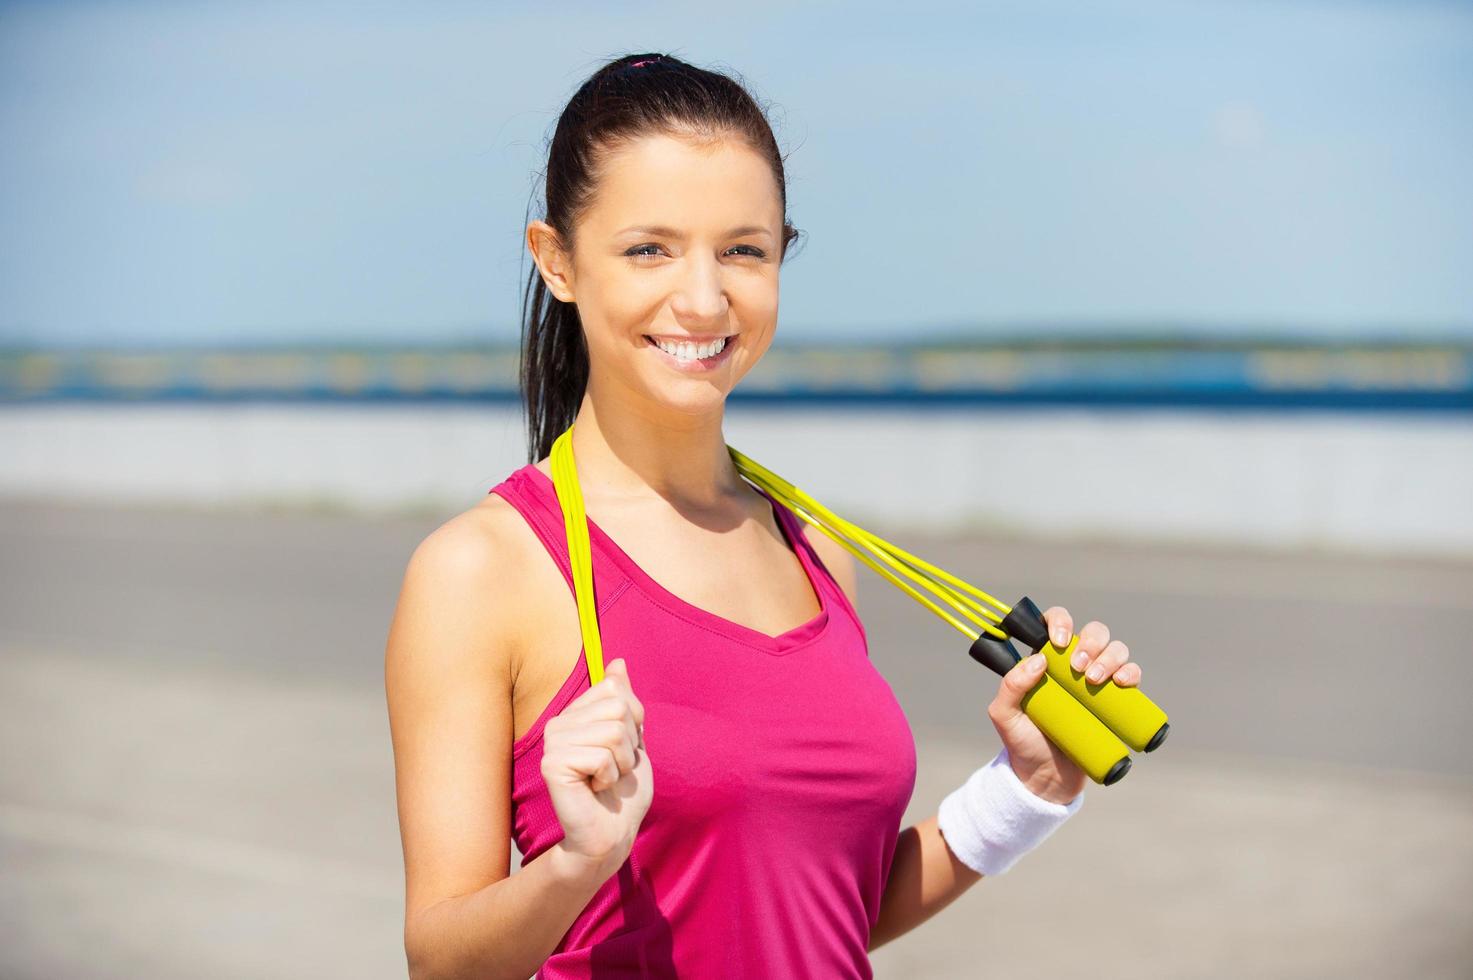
x=198 y=780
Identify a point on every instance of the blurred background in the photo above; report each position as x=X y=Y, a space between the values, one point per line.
x=1161 y=312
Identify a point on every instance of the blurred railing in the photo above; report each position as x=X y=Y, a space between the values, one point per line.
x=1379 y=376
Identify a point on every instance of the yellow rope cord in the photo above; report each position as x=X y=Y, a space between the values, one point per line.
x=902 y=565
x=956 y=601
x=787 y=489
x=797 y=500
x=575 y=521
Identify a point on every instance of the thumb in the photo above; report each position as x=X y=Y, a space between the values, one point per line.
x=618 y=670
x=1024 y=677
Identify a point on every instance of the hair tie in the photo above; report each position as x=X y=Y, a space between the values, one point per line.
x=644 y=61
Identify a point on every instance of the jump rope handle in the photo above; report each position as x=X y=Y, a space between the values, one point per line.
x=1095 y=725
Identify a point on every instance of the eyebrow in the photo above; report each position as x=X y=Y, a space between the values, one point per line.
x=664 y=232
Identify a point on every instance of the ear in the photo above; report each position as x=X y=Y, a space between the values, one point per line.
x=552 y=260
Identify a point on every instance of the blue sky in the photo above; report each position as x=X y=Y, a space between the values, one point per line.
x=239 y=172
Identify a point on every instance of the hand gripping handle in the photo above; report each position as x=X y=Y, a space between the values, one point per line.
x=1063 y=720
x=1126 y=711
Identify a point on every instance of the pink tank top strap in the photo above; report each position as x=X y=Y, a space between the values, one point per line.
x=545 y=517
x=793 y=526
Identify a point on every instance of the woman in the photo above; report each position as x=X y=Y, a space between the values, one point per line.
x=769 y=842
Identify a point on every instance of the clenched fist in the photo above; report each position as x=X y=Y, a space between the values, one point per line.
x=598 y=773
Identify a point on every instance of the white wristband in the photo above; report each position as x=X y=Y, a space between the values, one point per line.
x=992 y=819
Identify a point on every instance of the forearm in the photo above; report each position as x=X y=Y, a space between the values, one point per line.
x=507 y=929
x=925 y=877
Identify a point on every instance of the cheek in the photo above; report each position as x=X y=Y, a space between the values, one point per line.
x=754 y=313
x=756 y=297
x=613 y=308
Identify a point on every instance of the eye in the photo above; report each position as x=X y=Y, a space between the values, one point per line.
x=752 y=250
x=638 y=252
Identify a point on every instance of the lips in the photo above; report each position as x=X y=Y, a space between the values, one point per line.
x=695 y=365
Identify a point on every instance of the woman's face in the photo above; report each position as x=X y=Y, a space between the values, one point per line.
x=681 y=245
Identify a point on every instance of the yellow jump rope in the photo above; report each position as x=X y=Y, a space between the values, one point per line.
x=1095 y=725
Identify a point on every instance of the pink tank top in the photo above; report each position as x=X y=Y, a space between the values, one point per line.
x=782 y=765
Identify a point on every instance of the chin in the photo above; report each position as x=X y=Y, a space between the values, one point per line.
x=694 y=403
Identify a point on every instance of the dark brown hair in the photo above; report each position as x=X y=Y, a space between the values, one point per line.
x=631 y=97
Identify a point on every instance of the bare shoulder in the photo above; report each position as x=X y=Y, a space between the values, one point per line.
x=483 y=537
x=836 y=559
x=449 y=672
x=456 y=626
x=467 y=569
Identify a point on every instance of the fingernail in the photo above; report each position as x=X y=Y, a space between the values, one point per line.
x=1079 y=660
x=1036 y=662
x=1096 y=674
x=1061 y=637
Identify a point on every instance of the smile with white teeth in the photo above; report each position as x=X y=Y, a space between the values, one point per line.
x=686 y=351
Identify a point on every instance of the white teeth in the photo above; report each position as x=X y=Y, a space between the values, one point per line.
x=686 y=351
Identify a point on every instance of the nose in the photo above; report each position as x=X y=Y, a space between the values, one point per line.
x=701 y=295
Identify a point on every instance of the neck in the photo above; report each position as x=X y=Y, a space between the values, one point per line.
x=632 y=450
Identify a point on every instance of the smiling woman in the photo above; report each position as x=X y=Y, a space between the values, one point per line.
x=663 y=275
x=702 y=293
x=773 y=845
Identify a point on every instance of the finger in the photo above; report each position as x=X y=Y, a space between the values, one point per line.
x=606 y=768
x=620 y=670
x=617 y=675
x=1060 y=625
x=1022 y=678
x=636 y=711
x=613 y=734
x=601 y=710
x=1093 y=637
x=1113 y=656
x=604 y=690
x=623 y=705
x=609 y=698
x=592 y=724
x=607 y=774
x=632 y=731
x=608 y=708
x=572 y=764
x=1128 y=675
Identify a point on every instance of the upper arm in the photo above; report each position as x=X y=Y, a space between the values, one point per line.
x=836 y=559
x=448 y=682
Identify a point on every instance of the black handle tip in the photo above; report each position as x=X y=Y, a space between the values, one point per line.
x=1025 y=624
x=996 y=655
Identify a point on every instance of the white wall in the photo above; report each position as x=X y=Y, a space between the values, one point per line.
x=1376 y=483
